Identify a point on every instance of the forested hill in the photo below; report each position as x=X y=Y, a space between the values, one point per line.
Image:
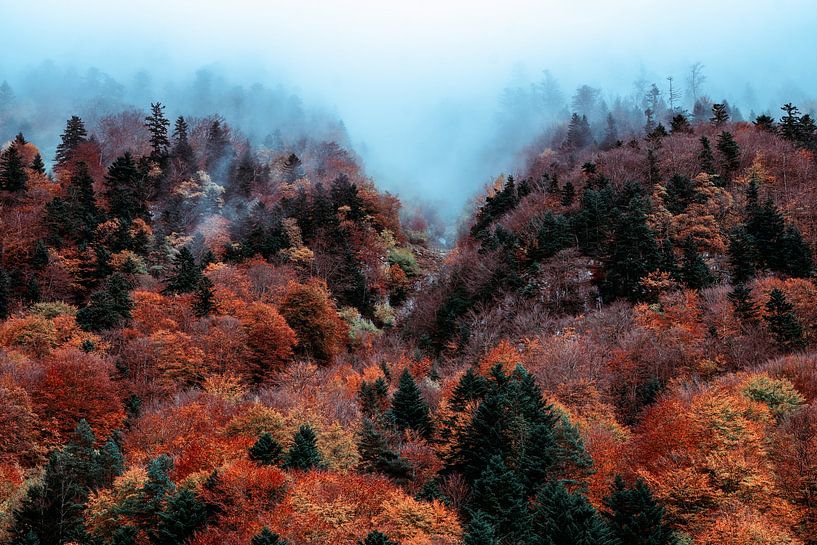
x=210 y=340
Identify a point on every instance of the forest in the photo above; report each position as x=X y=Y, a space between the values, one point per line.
x=216 y=330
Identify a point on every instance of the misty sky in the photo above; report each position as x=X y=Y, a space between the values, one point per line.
x=417 y=82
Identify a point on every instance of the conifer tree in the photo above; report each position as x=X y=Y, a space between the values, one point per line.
x=182 y=152
x=185 y=276
x=377 y=457
x=108 y=307
x=790 y=123
x=578 y=132
x=182 y=516
x=409 y=410
x=500 y=498
x=635 y=517
x=12 y=171
x=730 y=153
x=795 y=254
x=679 y=124
x=479 y=530
x=765 y=123
x=742 y=256
x=376 y=538
x=304 y=454
x=216 y=146
x=73 y=136
x=125 y=190
x=204 y=298
x=157 y=125
x=39 y=259
x=37 y=164
x=720 y=114
x=705 y=157
x=5 y=294
x=267 y=537
x=267 y=451
x=560 y=516
x=694 y=271
x=743 y=305
x=610 y=140
x=373 y=398
x=568 y=194
x=782 y=322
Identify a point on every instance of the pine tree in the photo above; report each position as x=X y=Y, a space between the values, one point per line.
x=694 y=271
x=183 y=515
x=743 y=305
x=377 y=457
x=267 y=451
x=204 y=298
x=610 y=140
x=12 y=171
x=679 y=124
x=409 y=410
x=500 y=497
x=185 y=276
x=568 y=194
x=157 y=125
x=216 y=146
x=705 y=157
x=790 y=123
x=376 y=538
x=730 y=153
x=183 y=155
x=742 y=256
x=5 y=294
x=373 y=398
x=720 y=114
x=766 y=226
x=765 y=123
x=304 y=454
x=108 y=307
x=560 y=516
x=37 y=164
x=73 y=136
x=795 y=254
x=635 y=517
x=244 y=173
x=125 y=190
x=39 y=259
x=267 y=537
x=680 y=194
x=479 y=530
x=782 y=322
x=578 y=132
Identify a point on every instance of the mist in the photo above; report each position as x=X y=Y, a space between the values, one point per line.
x=438 y=98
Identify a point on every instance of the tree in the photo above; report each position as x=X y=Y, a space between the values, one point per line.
x=311 y=313
x=694 y=270
x=267 y=537
x=12 y=171
x=267 y=451
x=610 y=140
x=186 y=274
x=125 y=190
x=679 y=124
x=304 y=454
x=37 y=164
x=39 y=259
x=635 y=518
x=560 y=516
x=568 y=194
x=376 y=538
x=5 y=294
x=377 y=457
x=782 y=322
x=73 y=136
x=203 y=301
x=743 y=305
x=795 y=254
x=499 y=497
x=742 y=255
x=182 y=152
x=695 y=80
x=578 y=132
x=108 y=307
x=730 y=153
x=720 y=114
x=790 y=123
x=216 y=146
x=409 y=410
x=479 y=531
x=765 y=123
x=157 y=125
x=705 y=157
x=181 y=517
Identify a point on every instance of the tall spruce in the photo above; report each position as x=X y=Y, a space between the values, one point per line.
x=561 y=516
x=500 y=498
x=408 y=409
x=204 y=302
x=706 y=159
x=743 y=306
x=742 y=256
x=13 y=175
x=108 y=307
x=267 y=537
x=267 y=451
x=304 y=454
x=74 y=135
x=125 y=190
x=782 y=322
x=720 y=114
x=730 y=154
x=479 y=530
x=157 y=125
x=635 y=518
x=178 y=521
x=694 y=270
x=37 y=164
x=184 y=158
x=5 y=294
x=186 y=274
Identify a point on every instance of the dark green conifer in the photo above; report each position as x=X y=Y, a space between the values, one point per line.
x=560 y=516
x=742 y=256
x=267 y=537
x=157 y=125
x=37 y=164
x=409 y=410
x=743 y=305
x=304 y=454
x=694 y=270
x=376 y=538
x=204 y=299
x=730 y=154
x=185 y=275
x=705 y=157
x=782 y=322
x=13 y=175
x=73 y=136
x=635 y=518
x=267 y=451
x=181 y=517
x=479 y=530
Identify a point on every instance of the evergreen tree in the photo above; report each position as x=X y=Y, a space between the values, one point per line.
x=705 y=157
x=568 y=194
x=157 y=125
x=479 y=530
x=500 y=498
x=766 y=226
x=267 y=537
x=5 y=294
x=409 y=410
x=765 y=123
x=185 y=276
x=679 y=124
x=377 y=457
x=742 y=255
x=633 y=254
x=795 y=254
x=204 y=298
x=267 y=451
x=554 y=235
x=73 y=136
x=77 y=215
x=244 y=173
x=304 y=452
x=39 y=259
x=720 y=114
x=377 y=538
x=182 y=152
x=730 y=153
x=743 y=305
x=635 y=517
x=37 y=164
x=108 y=307
x=782 y=322
x=790 y=123
x=12 y=171
x=694 y=271
x=125 y=190
x=181 y=517
x=680 y=194
x=560 y=516
x=373 y=398
x=578 y=132
x=610 y=140
x=216 y=146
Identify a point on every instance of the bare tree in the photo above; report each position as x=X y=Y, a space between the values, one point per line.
x=695 y=80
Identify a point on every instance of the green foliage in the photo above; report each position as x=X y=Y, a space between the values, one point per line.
x=267 y=537
x=376 y=456
x=409 y=410
x=499 y=497
x=742 y=256
x=267 y=451
x=183 y=515
x=108 y=307
x=186 y=274
x=694 y=270
x=5 y=294
x=74 y=135
x=635 y=517
x=560 y=516
x=479 y=530
x=203 y=297
x=125 y=190
x=157 y=125
x=782 y=322
x=13 y=175
x=705 y=157
x=743 y=305
x=404 y=258
x=376 y=538
x=779 y=395
x=304 y=454
x=730 y=154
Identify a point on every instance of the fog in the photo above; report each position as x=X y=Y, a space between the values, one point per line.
x=438 y=97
